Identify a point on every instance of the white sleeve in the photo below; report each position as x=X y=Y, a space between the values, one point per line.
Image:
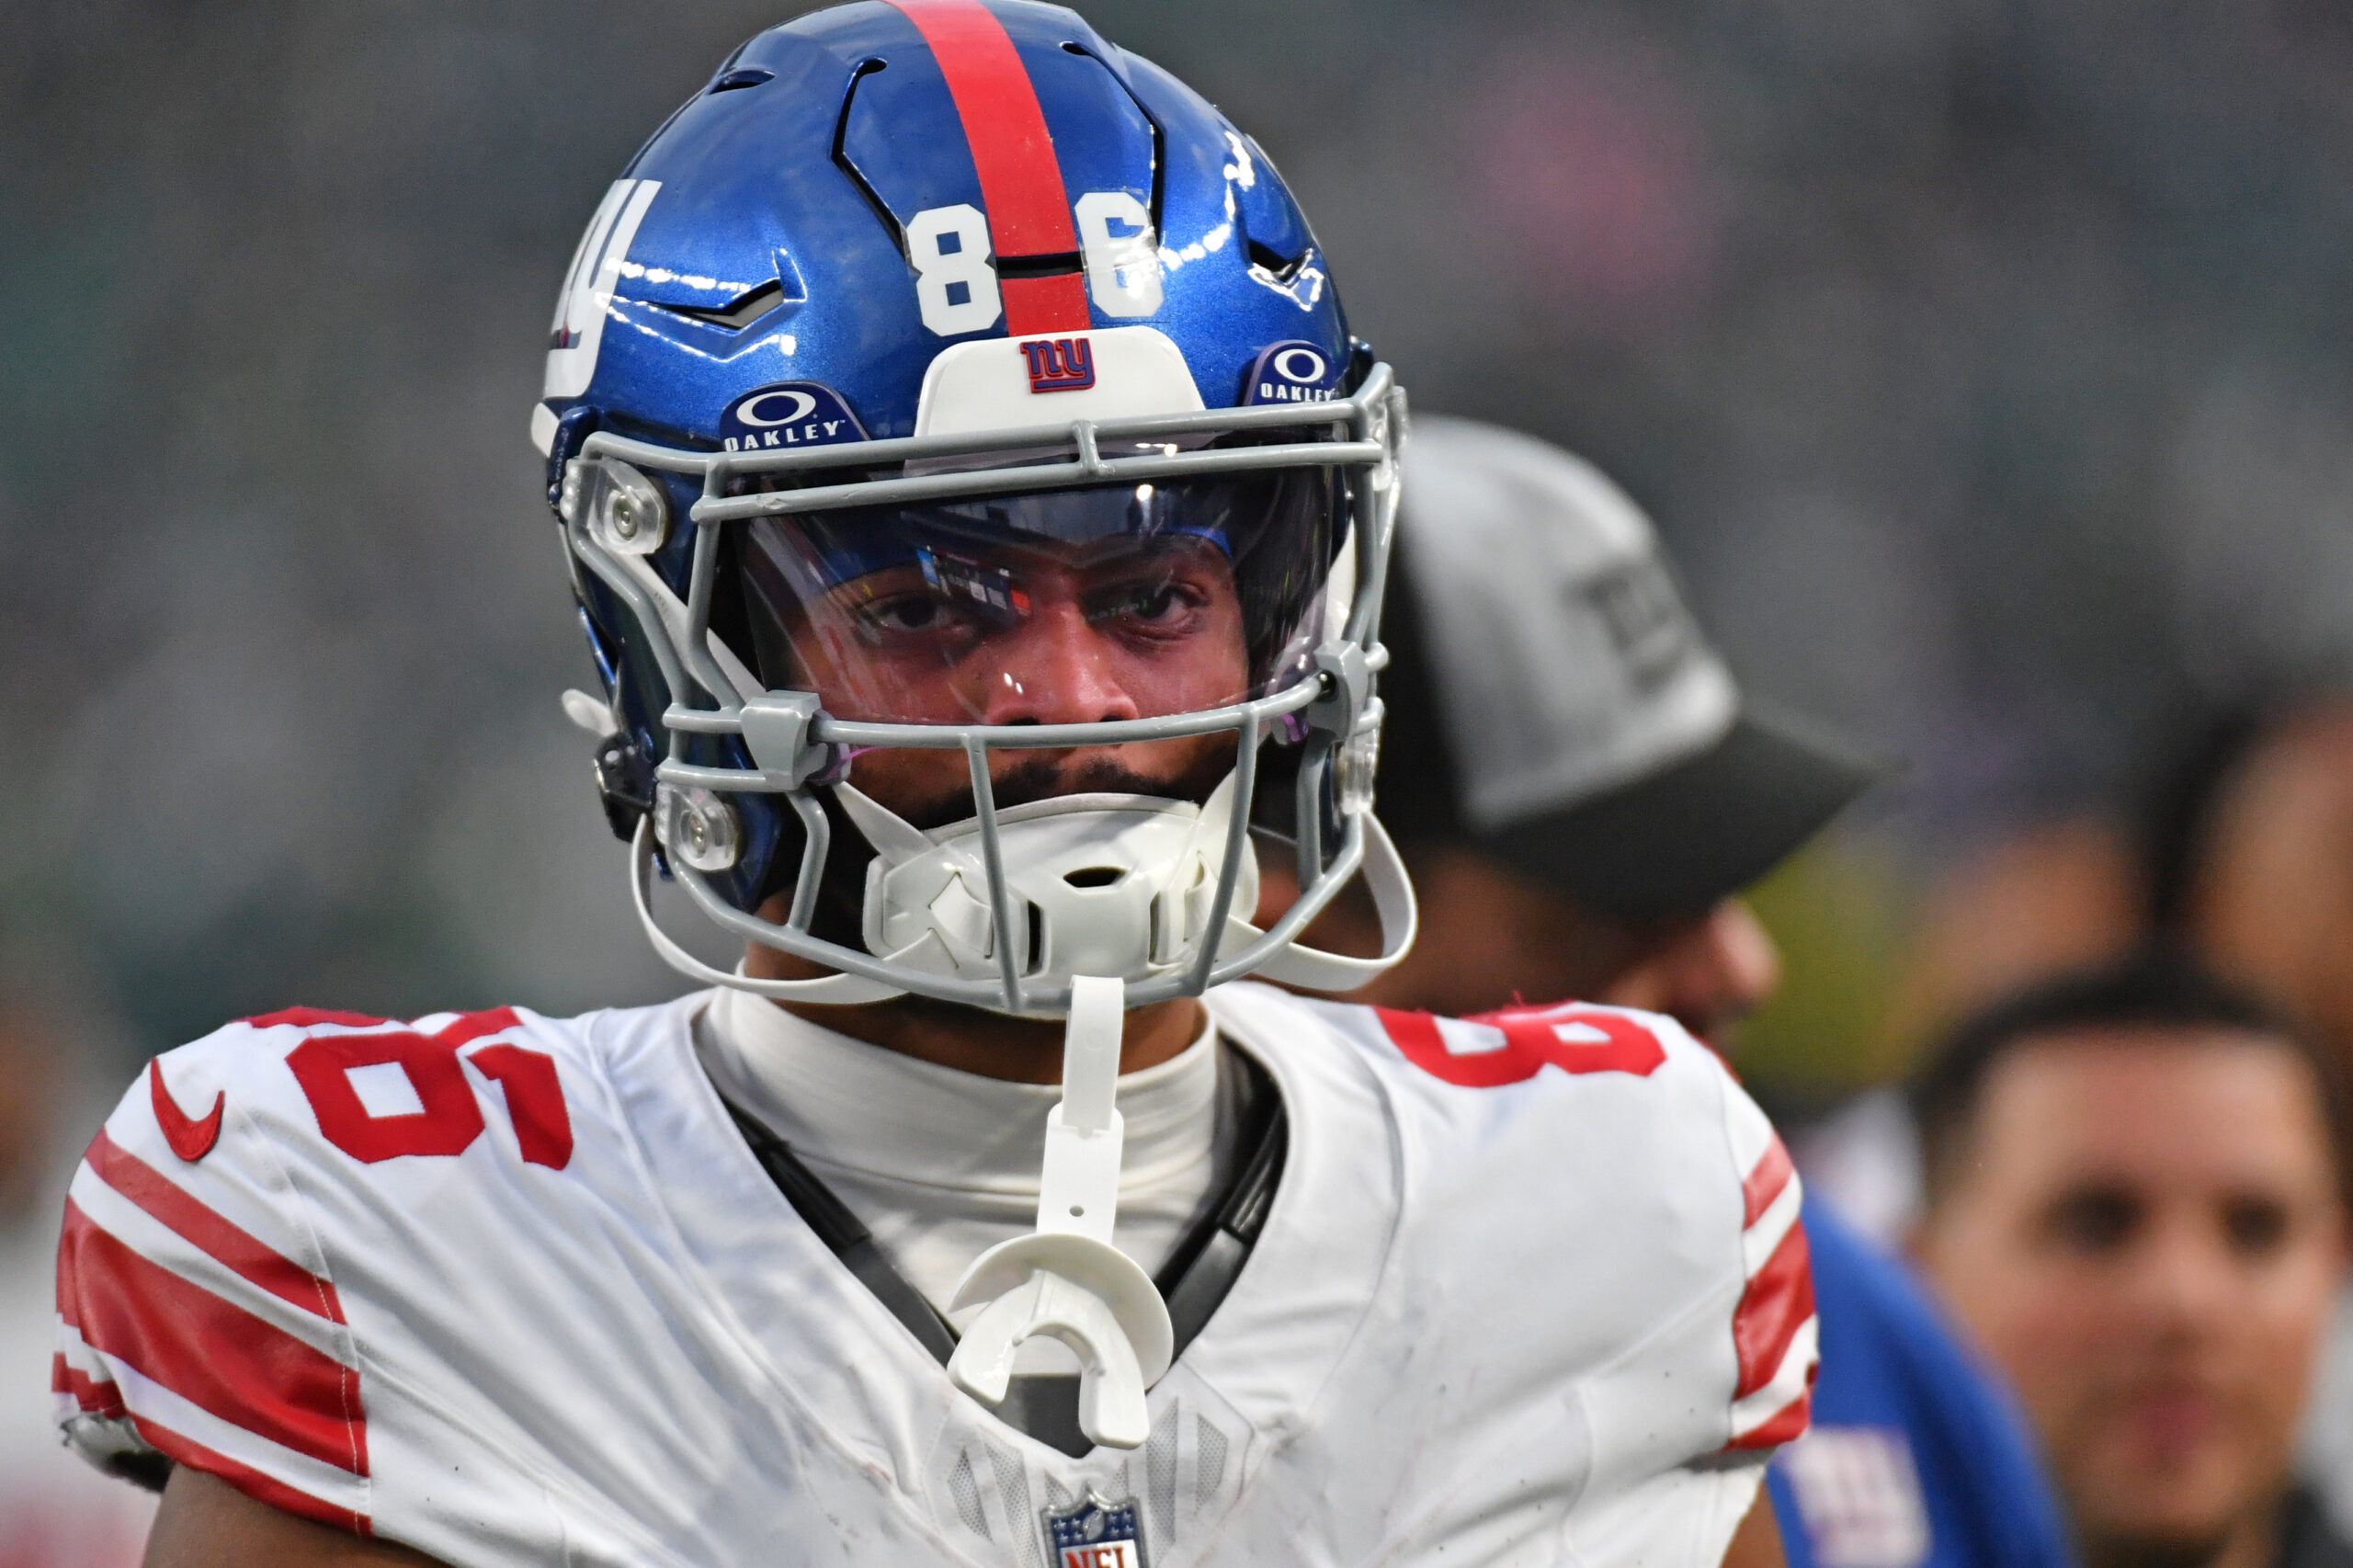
x=197 y=1324
x=1685 y=1515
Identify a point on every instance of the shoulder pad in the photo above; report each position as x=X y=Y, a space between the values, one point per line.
x=1704 y=1135
x=199 y=1316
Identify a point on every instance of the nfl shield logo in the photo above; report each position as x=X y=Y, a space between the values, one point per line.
x=1095 y=1532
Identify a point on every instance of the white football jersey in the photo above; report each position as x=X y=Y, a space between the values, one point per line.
x=513 y=1291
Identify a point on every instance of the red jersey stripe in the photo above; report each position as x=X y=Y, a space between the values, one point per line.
x=211 y=1352
x=1777 y=1303
x=308 y=1017
x=1765 y=1183
x=251 y=1258
x=1021 y=180
x=261 y=1488
x=1786 y=1425
x=472 y=1027
x=95 y=1398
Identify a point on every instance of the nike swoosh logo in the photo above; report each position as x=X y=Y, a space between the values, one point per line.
x=190 y=1139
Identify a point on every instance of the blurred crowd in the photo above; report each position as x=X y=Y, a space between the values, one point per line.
x=1981 y=364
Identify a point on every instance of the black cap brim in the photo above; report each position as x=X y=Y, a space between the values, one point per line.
x=1680 y=841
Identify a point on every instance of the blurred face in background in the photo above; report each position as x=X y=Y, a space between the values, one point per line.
x=2143 y=1227
x=27 y=1103
x=1489 y=935
x=2272 y=902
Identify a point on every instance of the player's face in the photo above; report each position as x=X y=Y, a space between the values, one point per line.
x=1124 y=629
x=2143 y=1231
x=1059 y=607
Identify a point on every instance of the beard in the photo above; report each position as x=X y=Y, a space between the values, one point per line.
x=1041 y=776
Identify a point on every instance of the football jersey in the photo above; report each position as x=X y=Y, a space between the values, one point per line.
x=513 y=1290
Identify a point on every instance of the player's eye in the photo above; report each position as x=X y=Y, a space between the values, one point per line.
x=2255 y=1226
x=919 y=616
x=1158 y=604
x=2094 y=1221
x=902 y=612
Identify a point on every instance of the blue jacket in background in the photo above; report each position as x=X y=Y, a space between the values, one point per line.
x=1915 y=1456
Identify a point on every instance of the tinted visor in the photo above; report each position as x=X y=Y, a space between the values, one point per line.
x=1066 y=606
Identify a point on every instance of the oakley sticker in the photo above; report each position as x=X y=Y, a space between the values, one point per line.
x=788 y=413
x=1293 y=372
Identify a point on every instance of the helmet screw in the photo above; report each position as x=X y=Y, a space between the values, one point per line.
x=628 y=513
x=697 y=827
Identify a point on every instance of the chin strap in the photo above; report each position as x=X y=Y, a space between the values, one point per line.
x=1312 y=969
x=1065 y=1279
x=847 y=990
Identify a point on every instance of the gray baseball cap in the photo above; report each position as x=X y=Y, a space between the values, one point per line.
x=1552 y=699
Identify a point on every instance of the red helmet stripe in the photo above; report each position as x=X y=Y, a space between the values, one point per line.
x=1021 y=181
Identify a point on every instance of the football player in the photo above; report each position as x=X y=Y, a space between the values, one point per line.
x=978 y=514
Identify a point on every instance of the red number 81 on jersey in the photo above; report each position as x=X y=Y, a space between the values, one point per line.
x=1512 y=1045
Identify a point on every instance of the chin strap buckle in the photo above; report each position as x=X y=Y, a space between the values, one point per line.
x=1065 y=1279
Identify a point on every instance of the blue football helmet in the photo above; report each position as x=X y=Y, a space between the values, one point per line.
x=960 y=449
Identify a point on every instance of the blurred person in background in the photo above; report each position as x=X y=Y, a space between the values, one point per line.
x=55 y=1512
x=2242 y=855
x=2250 y=860
x=2135 y=1204
x=2240 y=850
x=1595 y=845
x=2248 y=843
x=2040 y=900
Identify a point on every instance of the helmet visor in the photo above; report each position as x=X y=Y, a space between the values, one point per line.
x=1060 y=607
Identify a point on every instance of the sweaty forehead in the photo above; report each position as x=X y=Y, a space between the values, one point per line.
x=2159 y=1108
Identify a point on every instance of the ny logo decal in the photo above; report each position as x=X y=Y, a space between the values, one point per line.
x=1060 y=364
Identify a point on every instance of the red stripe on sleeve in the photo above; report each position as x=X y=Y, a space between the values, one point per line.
x=245 y=1478
x=1787 y=1425
x=213 y=1354
x=230 y=1244
x=1021 y=180
x=94 y=1397
x=1777 y=1303
x=1765 y=1183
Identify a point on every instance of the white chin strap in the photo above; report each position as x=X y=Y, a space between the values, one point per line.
x=1119 y=885
x=1065 y=1279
